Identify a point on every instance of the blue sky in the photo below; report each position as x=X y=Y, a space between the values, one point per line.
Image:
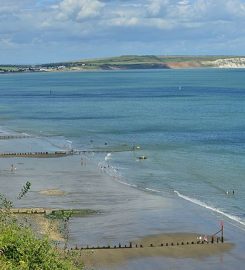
x=41 y=31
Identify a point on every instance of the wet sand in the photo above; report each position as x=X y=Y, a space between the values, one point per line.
x=96 y=258
x=126 y=213
x=52 y=192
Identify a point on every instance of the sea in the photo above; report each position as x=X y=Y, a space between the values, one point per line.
x=157 y=151
x=189 y=125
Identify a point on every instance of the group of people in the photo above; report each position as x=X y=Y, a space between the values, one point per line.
x=230 y=192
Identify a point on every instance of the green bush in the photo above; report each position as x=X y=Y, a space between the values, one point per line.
x=21 y=250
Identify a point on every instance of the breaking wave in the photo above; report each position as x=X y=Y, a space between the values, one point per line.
x=214 y=209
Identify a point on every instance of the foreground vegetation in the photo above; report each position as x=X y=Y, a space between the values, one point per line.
x=21 y=249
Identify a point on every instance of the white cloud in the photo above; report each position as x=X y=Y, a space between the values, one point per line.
x=75 y=22
x=155 y=6
x=78 y=9
x=236 y=7
x=122 y=21
x=160 y=23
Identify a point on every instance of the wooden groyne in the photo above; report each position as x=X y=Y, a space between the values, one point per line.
x=79 y=152
x=33 y=210
x=201 y=240
x=9 y=137
x=56 y=154
x=104 y=151
x=37 y=154
x=216 y=240
x=51 y=212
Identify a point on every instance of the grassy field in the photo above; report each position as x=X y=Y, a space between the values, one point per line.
x=140 y=62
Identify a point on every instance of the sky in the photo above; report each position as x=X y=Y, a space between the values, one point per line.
x=44 y=31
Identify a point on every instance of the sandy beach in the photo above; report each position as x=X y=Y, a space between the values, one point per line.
x=52 y=192
x=125 y=215
x=113 y=257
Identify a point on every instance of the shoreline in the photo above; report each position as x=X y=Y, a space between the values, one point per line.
x=131 y=62
x=96 y=258
x=126 y=69
x=127 y=213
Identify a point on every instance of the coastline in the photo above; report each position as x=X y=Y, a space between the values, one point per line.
x=126 y=212
x=99 y=258
x=131 y=62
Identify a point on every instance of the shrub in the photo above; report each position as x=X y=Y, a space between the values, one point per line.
x=22 y=250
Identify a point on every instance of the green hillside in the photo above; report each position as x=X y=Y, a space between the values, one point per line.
x=129 y=62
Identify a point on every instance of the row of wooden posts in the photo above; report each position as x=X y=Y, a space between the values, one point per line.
x=30 y=211
x=6 y=137
x=131 y=245
x=31 y=154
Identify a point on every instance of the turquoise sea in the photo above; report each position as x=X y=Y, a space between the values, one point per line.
x=190 y=124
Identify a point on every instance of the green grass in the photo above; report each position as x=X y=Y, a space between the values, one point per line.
x=8 y=68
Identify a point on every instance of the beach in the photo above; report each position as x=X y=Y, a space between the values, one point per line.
x=125 y=214
x=176 y=194
x=177 y=249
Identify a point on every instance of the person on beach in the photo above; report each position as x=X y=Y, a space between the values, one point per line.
x=12 y=169
x=83 y=162
x=205 y=238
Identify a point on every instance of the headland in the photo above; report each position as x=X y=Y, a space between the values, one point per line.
x=132 y=62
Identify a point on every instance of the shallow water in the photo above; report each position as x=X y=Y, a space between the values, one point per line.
x=193 y=139
x=189 y=123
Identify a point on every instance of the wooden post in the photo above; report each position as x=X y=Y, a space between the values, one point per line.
x=222 y=231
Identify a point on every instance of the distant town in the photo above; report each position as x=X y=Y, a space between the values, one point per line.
x=132 y=62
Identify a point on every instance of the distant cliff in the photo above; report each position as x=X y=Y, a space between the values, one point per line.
x=228 y=63
x=128 y=62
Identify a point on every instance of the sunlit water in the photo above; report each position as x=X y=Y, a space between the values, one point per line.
x=190 y=124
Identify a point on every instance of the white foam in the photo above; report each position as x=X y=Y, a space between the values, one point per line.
x=108 y=156
x=153 y=190
x=217 y=210
x=126 y=184
x=25 y=134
